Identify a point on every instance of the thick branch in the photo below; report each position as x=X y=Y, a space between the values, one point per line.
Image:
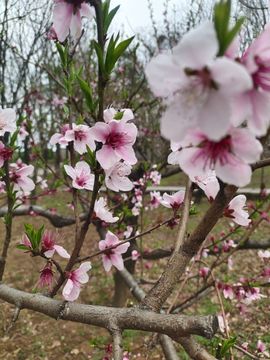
x=101 y=316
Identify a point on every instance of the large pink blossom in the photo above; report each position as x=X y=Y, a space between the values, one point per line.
x=49 y=247
x=230 y=157
x=236 y=210
x=7 y=121
x=112 y=257
x=59 y=138
x=67 y=16
x=117 y=138
x=116 y=177
x=81 y=137
x=81 y=175
x=76 y=278
x=102 y=212
x=254 y=105
x=20 y=177
x=198 y=87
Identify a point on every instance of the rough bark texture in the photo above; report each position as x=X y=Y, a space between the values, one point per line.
x=106 y=317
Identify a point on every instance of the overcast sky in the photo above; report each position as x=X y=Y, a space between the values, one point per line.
x=134 y=14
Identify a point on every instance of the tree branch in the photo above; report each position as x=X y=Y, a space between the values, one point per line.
x=101 y=316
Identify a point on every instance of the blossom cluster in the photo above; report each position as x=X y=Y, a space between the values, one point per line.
x=216 y=106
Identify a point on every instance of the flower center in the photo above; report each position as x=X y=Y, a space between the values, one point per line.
x=81 y=181
x=216 y=151
x=5 y=153
x=115 y=139
x=79 y=135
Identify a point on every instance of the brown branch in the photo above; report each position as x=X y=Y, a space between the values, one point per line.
x=105 y=317
x=179 y=260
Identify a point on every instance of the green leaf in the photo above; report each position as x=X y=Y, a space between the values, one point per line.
x=118 y=50
x=91 y=158
x=225 y=35
x=62 y=51
x=119 y=115
x=34 y=236
x=22 y=247
x=87 y=92
x=227 y=345
x=108 y=19
x=99 y=53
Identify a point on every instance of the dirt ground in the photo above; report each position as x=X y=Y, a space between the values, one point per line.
x=36 y=336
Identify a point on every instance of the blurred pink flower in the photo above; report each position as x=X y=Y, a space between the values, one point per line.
x=19 y=176
x=112 y=257
x=197 y=85
x=111 y=114
x=135 y=255
x=5 y=153
x=59 y=138
x=229 y=157
x=254 y=105
x=81 y=136
x=155 y=199
x=7 y=121
x=81 y=175
x=173 y=201
x=209 y=184
x=235 y=210
x=102 y=212
x=49 y=247
x=67 y=16
x=76 y=278
x=116 y=177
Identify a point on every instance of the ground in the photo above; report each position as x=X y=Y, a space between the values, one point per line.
x=35 y=336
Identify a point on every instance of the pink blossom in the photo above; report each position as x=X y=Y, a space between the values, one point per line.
x=228 y=292
x=49 y=247
x=261 y=347
x=81 y=175
x=155 y=199
x=56 y=101
x=46 y=277
x=7 y=121
x=135 y=255
x=173 y=201
x=264 y=254
x=20 y=177
x=102 y=212
x=236 y=210
x=81 y=136
x=229 y=157
x=209 y=184
x=155 y=177
x=254 y=105
x=204 y=271
x=117 y=138
x=197 y=85
x=42 y=183
x=111 y=114
x=67 y=18
x=112 y=257
x=59 y=138
x=128 y=232
x=116 y=177
x=76 y=278
x=51 y=34
x=227 y=245
x=5 y=153
x=26 y=242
